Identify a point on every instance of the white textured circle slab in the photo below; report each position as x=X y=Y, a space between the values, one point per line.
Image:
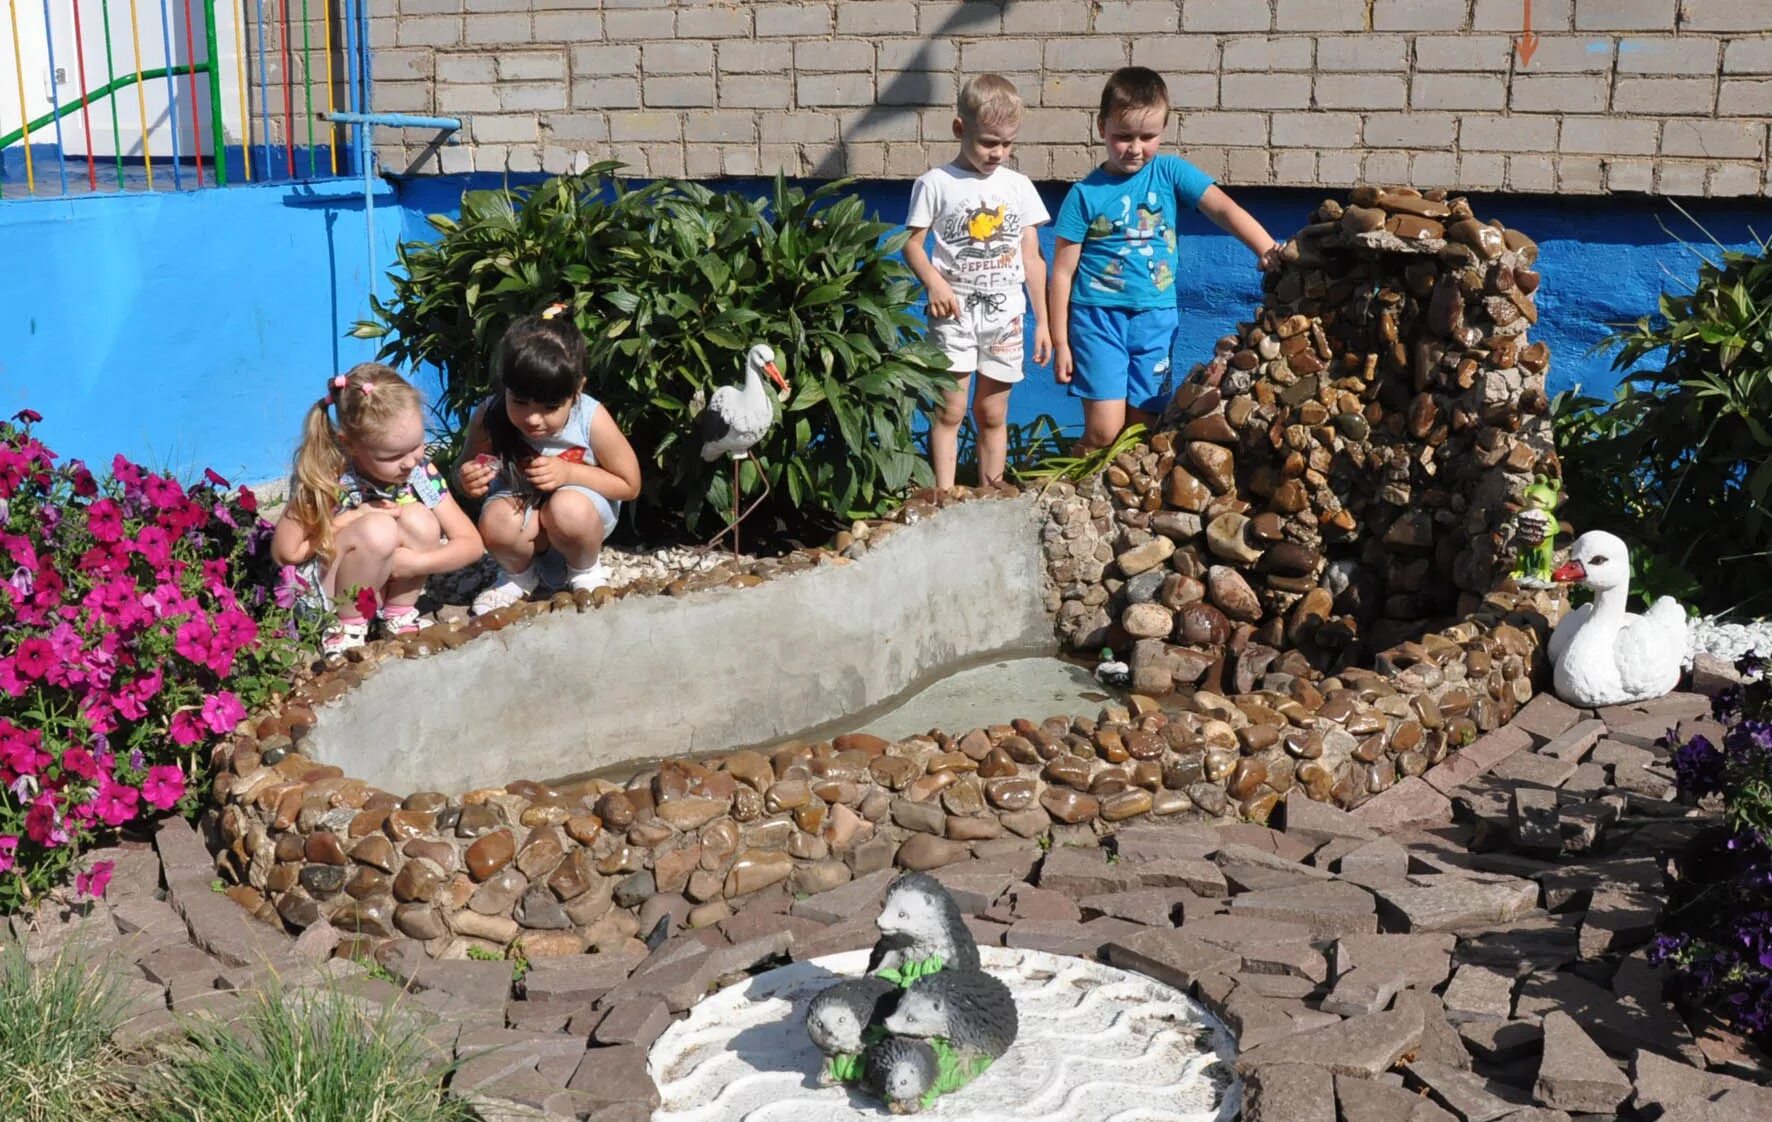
x=1096 y=1045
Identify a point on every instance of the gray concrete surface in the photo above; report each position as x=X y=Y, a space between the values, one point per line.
x=995 y=693
x=659 y=676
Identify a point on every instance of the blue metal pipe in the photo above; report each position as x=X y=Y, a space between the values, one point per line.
x=395 y=120
x=449 y=126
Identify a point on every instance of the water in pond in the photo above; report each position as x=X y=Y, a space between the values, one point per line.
x=994 y=692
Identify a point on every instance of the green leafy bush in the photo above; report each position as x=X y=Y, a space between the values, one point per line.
x=671 y=284
x=1679 y=463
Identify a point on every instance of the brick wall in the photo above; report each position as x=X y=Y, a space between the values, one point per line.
x=1667 y=96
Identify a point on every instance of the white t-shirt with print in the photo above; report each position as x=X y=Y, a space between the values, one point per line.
x=977 y=221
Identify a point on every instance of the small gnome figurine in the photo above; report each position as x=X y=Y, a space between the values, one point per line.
x=1532 y=534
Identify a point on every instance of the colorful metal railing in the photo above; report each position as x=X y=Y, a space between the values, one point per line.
x=280 y=132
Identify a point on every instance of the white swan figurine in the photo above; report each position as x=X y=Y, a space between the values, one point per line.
x=1602 y=654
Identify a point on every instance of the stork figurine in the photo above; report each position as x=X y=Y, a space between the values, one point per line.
x=736 y=418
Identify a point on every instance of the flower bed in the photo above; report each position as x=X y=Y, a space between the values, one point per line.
x=1719 y=921
x=138 y=633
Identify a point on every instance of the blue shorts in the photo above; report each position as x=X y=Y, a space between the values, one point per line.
x=1122 y=354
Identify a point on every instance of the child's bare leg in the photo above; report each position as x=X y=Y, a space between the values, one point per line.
x=364 y=555
x=990 y=413
x=1102 y=423
x=575 y=527
x=510 y=537
x=1137 y=416
x=944 y=431
x=419 y=532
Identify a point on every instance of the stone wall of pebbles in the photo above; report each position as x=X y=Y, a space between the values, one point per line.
x=1340 y=473
x=561 y=869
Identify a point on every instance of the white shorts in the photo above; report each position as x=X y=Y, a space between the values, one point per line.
x=986 y=336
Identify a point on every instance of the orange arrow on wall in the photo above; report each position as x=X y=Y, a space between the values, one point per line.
x=1527 y=45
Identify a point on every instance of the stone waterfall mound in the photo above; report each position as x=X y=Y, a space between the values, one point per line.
x=1334 y=485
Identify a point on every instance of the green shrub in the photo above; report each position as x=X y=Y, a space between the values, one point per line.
x=56 y=1060
x=1679 y=463
x=316 y=1056
x=671 y=284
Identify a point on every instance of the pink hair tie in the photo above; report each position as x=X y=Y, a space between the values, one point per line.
x=365 y=388
x=333 y=385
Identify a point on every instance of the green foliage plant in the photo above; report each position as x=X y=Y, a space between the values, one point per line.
x=671 y=284
x=56 y=1060
x=1076 y=468
x=317 y=1055
x=1679 y=463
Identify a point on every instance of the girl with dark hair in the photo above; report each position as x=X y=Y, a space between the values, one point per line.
x=549 y=461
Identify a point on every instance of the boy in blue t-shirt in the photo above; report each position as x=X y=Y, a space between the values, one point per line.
x=1112 y=298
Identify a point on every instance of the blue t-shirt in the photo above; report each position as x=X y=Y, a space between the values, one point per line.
x=1126 y=225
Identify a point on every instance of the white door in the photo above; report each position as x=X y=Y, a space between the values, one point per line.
x=159 y=29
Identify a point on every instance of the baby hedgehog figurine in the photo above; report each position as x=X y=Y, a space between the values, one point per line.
x=970 y=1010
x=919 y=922
x=902 y=1073
x=839 y=1019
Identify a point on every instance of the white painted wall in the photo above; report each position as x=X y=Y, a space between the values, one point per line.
x=132 y=25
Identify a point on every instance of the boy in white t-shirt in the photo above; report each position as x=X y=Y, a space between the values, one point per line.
x=986 y=249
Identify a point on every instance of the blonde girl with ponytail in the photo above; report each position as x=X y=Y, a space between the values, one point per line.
x=369 y=516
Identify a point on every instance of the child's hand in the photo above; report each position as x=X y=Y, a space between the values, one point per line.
x=546 y=473
x=1042 y=344
x=407 y=563
x=1062 y=367
x=1269 y=261
x=477 y=475
x=943 y=304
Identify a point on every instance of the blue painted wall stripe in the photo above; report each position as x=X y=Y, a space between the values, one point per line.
x=192 y=329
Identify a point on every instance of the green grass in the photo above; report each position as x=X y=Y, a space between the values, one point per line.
x=318 y=1056
x=56 y=1062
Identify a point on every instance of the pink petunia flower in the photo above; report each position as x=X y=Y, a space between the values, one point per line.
x=126 y=471
x=34 y=658
x=210 y=475
x=79 y=762
x=164 y=786
x=222 y=711
x=185 y=729
x=154 y=545
x=42 y=819
x=162 y=490
x=11 y=681
x=290 y=586
x=104 y=521
x=94 y=882
x=247 y=500
x=28 y=416
x=366 y=602
x=116 y=803
x=8 y=852
x=85 y=486
x=193 y=640
x=235 y=629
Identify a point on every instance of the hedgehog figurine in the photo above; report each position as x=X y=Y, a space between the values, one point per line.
x=902 y=1072
x=971 y=1011
x=921 y=931
x=843 y=1019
